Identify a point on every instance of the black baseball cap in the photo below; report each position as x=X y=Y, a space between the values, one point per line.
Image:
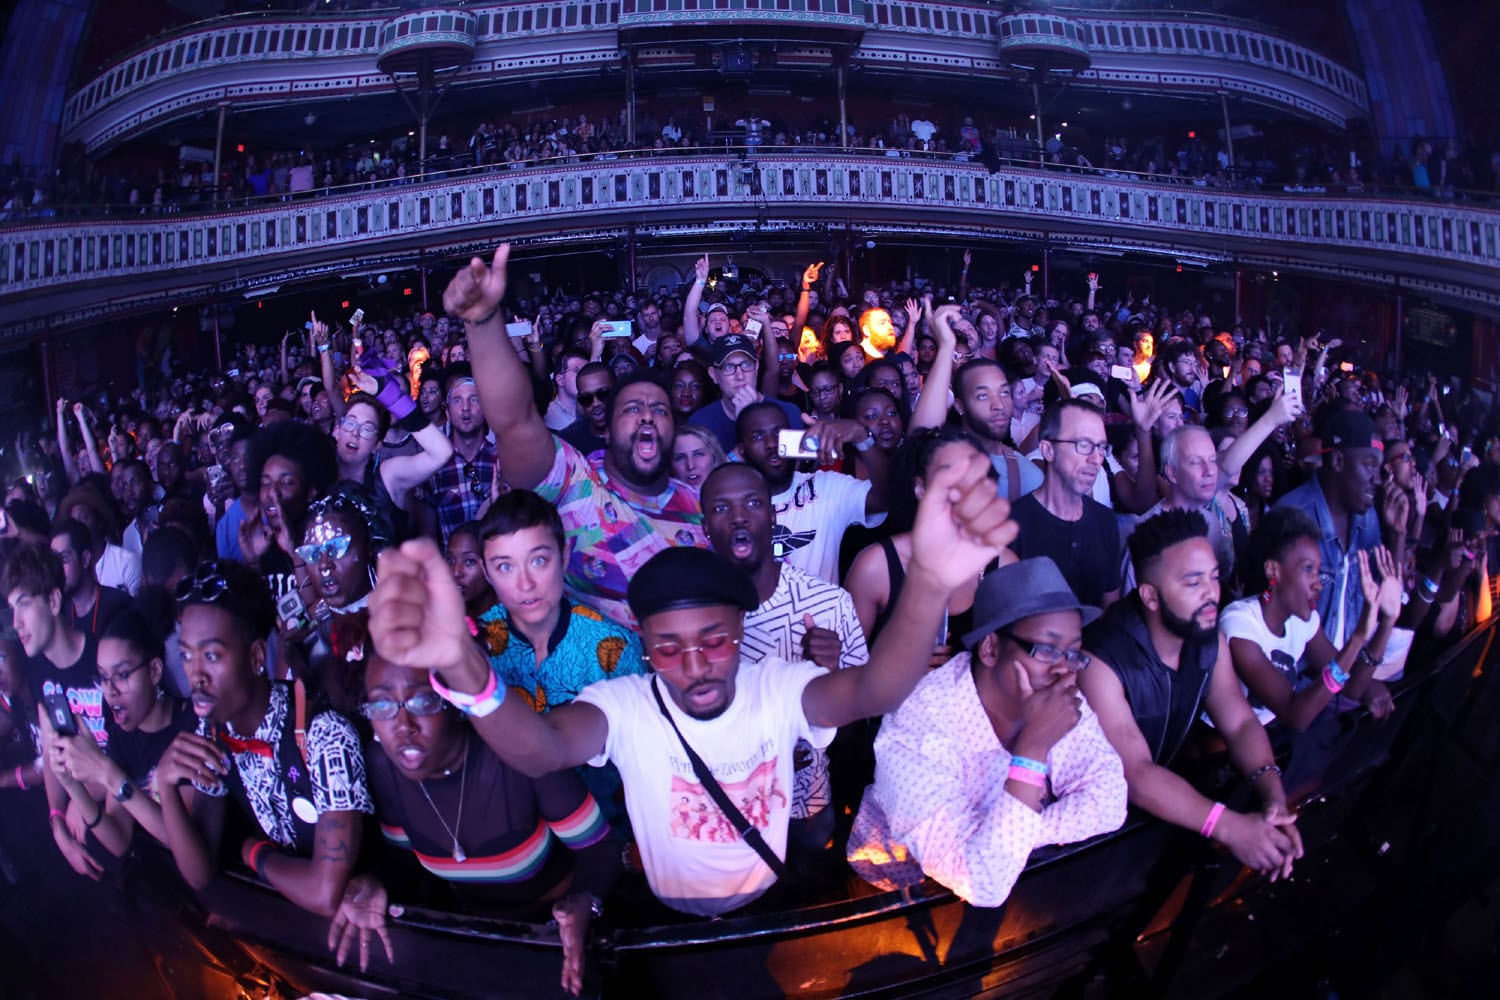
x=687 y=577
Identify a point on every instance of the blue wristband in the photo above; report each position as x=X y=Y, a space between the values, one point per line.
x=1040 y=767
x=1339 y=676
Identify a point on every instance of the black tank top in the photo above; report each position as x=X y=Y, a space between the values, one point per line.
x=958 y=624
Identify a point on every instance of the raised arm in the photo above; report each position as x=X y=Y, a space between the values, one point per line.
x=1145 y=409
x=96 y=461
x=70 y=467
x=523 y=445
x=323 y=343
x=403 y=472
x=932 y=404
x=691 y=320
x=907 y=344
x=804 y=300
x=417 y=620
x=961 y=526
x=1283 y=410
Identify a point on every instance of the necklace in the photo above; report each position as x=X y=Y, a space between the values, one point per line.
x=458 y=852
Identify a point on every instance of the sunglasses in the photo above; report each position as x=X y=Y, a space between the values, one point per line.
x=716 y=648
x=335 y=548
x=422 y=703
x=207 y=585
x=587 y=399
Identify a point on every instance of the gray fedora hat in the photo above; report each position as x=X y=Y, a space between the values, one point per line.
x=1021 y=590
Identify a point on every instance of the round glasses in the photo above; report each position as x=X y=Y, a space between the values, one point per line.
x=427 y=702
x=717 y=648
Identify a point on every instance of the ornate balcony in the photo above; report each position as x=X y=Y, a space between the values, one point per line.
x=59 y=273
x=260 y=61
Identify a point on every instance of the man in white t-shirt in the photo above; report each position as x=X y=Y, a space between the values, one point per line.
x=813 y=510
x=742 y=719
x=800 y=616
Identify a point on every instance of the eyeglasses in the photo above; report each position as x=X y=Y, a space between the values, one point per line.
x=476 y=486
x=587 y=399
x=422 y=703
x=335 y=548
x=716 y=648
x=823 y=390
x=1237 y=411
x=1048 y=654
x=117 y=681
x=1083 y=445
x=220 y=435
x=737 y=367
x=207 y=585
x=367 y=431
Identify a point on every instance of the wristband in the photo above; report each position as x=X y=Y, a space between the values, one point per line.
x=1026 y=776
x=255 y=853
x=1213 y=819
x=322 y=348
x=1429 y=585
x=1262 y=770
x=1039 y=766
x=20 y=779
x=1330 y=681
x=483 y=319
x=1339 y=673
x=475 y=705
x=53 y=814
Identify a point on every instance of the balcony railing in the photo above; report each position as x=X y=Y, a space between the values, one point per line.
x=270 y=61
x=59 y=272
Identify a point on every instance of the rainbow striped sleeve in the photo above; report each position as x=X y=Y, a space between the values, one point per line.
x=585 y=826
x=396 y=836
x=515 y=865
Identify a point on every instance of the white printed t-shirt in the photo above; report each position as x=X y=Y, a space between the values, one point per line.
x=812 y=515
x=1245 y=619
x=694 y=860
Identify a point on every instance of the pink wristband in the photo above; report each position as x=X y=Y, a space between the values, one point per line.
x=20 y=779
x=53 y=814
x=1027 y=777
x=460 y=700
x=1333 y=686
x=1213 y=819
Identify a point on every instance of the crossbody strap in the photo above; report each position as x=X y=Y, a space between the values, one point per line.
x=737 y=819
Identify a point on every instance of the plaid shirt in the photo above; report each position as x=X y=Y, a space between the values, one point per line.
x=456 y=491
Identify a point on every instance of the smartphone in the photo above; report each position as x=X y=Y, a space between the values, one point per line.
x=1121 y=372
x=357 y=317
x=216 y=476
x=1468 y=453
x=233 y=373
x=752 y=328
x=60 y=714
x=796 y=444
x=292 y=612
x=521 y=329
x=1291 y=378
x=619 y=328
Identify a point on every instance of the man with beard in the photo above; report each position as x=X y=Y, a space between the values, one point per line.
x=620 y=507
x=130 y=482
x=647 y=328
x=462 y=484
x=703 y=724
x=1159 y=662
x=813 y=510
x=799 y=616
x=88 y=607
x=1341 y=498
x=1061 y=520
x=983 y=398
x=586 y=433
x=1179 y=359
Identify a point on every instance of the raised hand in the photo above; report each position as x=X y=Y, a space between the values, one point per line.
x=362 y=912
x=417 y=614
x=968 y=258
x=809 y=276
x=1147 y=407
x=1388 y=597
x=1284 y=409
x=942 y=327
x=1395 y=508
x=700 y=268
x=475 y=292
x=961 y=525
x=1400 y=402
x=194 y=759
x=319 y=330
x=821 y=645
x=1094 y=285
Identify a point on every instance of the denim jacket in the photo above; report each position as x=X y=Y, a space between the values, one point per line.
x=1342 y=600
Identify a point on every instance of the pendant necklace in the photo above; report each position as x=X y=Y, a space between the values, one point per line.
x=458 y=852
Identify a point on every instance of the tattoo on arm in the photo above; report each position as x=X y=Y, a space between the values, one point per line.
x=332 y=842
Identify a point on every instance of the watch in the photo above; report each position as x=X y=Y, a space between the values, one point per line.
x=125 y=792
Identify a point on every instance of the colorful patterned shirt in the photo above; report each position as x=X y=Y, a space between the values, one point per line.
x=613 y=529
x=584 y=648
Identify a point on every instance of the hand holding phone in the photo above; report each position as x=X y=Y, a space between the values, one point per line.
x=60 y=714
x=796 y=444
x=618 y=328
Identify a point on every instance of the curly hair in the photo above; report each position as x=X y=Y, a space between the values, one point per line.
x=1156 y=534
x=311 y=450
x=1280 y=528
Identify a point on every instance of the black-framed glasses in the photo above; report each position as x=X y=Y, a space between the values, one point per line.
x=1046 y=653
x=586 y=399
x=207 y=585
x=117 y=681
x=1083 y=446
x=427 y=702
x=716 y=648
x=737 y=367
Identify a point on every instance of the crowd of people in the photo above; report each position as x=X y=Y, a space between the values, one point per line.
x=676 y=603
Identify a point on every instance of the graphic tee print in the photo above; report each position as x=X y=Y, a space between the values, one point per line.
x=696 y=817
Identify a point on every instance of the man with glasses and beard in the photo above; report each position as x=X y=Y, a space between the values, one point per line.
x=704 y=742
x=1159 y=662
x=619 y=506
x=1061 y=520
x=460 y=487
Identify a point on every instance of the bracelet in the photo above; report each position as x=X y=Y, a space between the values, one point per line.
x=474 y=705
x=1262 y=770
x=1213 y=819
x=53 y=814
x=1333 y=685
x=97 y=819
x=1429 y=585
x=21 y=780
x=866 y=444
x=484 y=319
x=1039 y=766
x=323 y=348
x=255 y=853
x=1026 y=776
x=1367 y=658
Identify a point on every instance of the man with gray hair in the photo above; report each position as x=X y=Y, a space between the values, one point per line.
x=1190 y=465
